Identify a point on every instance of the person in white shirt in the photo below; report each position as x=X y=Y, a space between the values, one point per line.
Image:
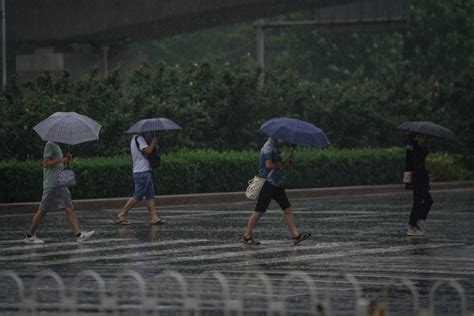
x=142 y=178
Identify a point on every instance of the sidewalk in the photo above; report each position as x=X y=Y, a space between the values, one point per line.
x=231 y=197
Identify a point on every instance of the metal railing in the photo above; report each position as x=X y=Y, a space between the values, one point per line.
x=210 y=293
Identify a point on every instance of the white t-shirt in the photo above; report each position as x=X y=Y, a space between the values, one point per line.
x=140 y=163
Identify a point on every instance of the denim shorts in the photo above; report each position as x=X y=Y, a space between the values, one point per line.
x=143 y=185
x=56 y=198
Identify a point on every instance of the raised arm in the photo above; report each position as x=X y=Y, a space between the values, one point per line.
x=49 y=162
x=151 y=147
x=270 y=164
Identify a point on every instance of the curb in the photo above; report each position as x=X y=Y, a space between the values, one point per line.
x=232 y=197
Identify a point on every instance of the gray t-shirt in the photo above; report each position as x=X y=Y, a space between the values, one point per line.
x=50 y=175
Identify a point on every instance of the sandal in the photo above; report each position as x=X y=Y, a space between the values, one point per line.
x=159 y=222
x=250 y=241
x=121 y=221
x=300 y=238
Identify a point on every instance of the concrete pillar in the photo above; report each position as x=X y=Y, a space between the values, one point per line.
x=77 y=63
x=43 y=59
x=4 y=45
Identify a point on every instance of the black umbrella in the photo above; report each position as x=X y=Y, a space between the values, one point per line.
x=428 y=128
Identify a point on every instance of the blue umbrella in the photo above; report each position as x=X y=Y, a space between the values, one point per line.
x=154 y=124
x=295 y=132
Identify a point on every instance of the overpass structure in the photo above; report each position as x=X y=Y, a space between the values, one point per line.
x=51 y=25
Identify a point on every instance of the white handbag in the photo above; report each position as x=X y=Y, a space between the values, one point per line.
x=407 y=177
x=254 y=187
x=66 y=178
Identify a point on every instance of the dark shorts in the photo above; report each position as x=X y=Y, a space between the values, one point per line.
x=269 y=192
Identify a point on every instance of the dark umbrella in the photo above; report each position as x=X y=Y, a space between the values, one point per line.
x=428 y=128
x=295 y=132
x=154 y=124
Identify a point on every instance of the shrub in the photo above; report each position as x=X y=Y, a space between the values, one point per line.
x=199 y=171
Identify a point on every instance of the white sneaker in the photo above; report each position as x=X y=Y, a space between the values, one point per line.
x=84 y=236
x=33 y=240
x=413 y=231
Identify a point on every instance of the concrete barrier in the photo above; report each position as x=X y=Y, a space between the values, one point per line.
x=231 y=197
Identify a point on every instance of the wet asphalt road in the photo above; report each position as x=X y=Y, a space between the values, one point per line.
x=361 y=235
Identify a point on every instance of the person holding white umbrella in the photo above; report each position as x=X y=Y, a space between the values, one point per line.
x=145 y=157
x=68 y=128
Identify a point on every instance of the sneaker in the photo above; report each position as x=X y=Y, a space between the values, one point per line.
x=84 y=236
x=418 y=226
x=413 y=231
x=33 y=240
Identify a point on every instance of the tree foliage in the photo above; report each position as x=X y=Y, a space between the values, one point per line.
x=357 y=87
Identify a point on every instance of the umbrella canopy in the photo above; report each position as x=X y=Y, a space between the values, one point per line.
x=154 y=124
x=295 y=132
x=68 y=128
x=428 y=128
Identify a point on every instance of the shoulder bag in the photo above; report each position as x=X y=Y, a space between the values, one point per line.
x=255 y=185
x=153 y=158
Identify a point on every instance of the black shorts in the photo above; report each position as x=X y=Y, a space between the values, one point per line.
x=269 y=192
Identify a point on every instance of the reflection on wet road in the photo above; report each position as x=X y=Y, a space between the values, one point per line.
x=361 y=235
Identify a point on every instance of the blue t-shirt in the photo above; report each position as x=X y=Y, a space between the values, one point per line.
x=270 y=150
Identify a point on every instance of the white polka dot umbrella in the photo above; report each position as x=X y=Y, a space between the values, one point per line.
x=68 y=128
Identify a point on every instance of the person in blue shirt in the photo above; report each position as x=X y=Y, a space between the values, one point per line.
x=270 y=166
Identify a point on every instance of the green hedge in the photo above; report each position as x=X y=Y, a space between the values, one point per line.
x=210 y=171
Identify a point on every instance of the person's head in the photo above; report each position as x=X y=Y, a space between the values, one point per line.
x=410 y=135
x=420 y=139
x=277 y=140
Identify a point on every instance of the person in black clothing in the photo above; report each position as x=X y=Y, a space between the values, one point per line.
x=416 y=153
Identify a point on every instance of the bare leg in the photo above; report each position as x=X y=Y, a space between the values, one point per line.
x=253 y=219
x=123 y=212
x=150 y=204
x=37 y=219
x=290 y=222
x=72 y=220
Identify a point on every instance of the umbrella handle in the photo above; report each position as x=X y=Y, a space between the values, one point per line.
x=68 y=154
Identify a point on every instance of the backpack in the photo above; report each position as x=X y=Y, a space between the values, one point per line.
x=153 y=158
